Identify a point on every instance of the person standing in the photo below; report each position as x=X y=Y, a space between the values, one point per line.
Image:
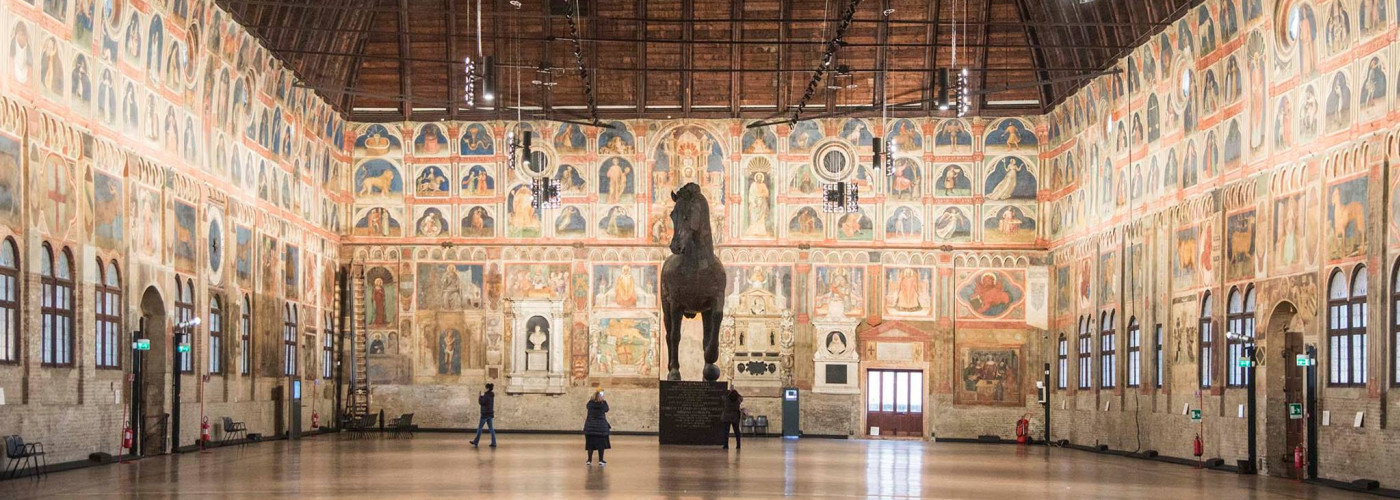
x=596 y=428
x=731 y=416
x=487 y=400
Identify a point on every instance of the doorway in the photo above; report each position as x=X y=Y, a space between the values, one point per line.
x=151 y=368
x=894 y=403
x=1284 y=386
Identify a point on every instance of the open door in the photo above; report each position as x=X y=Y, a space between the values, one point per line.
x=149 y=393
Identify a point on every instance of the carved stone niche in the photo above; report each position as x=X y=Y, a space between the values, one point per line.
x=837 y=359
x=536 y=347
x=759 y=336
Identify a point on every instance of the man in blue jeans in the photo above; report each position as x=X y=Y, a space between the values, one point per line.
x=487 y=400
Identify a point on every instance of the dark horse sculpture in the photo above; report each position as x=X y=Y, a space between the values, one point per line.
x=692 y=280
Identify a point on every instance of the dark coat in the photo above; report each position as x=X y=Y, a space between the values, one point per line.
x=488 y=404
x=597 y=422
x=731 y=399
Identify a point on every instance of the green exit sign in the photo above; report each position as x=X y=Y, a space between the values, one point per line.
x=1195 y=415
x=141 y=344
x=1295 y=411
x=1244 y=363
x=183 y=348
x=1302 y=360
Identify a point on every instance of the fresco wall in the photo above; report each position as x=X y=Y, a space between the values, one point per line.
x=160 y=140
x=444 y=238
x=1246 y=145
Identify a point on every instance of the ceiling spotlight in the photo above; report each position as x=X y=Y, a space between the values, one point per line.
x=515 y=3
x=888 y=12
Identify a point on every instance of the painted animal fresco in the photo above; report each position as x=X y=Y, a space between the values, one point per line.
x=1346 y=219
x=108 y=204
x=11 y=195
x=992 y=295
x=184 y=245
x=377 y=177
x=1240 y=246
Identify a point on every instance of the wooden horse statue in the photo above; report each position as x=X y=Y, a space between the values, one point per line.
x=692 y=280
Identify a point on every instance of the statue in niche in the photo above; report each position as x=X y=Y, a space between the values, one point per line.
x=692 y=279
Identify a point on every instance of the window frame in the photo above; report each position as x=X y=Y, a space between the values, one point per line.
x=1395 y=324
x=1134 y=359
x=1240 y=318
x=1205 y=337
x=1062 y=377
x=184 y=311
x=1346 y=360
x=1108 y=350
x=327 y=349
x=11 y=315
x=289 y=340
x=245 y=337
x=215 y=350
x=1159 y=345
x=56 y=310
x=107 y=317
x=1086 y=347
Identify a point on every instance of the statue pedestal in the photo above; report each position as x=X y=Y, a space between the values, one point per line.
x=690 y=413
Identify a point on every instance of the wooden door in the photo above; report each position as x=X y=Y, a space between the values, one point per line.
x=1292 y=394
x=894 y=403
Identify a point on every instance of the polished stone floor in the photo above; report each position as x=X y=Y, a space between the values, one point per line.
x=541 y=466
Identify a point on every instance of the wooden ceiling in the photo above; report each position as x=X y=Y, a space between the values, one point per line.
x=380 y=60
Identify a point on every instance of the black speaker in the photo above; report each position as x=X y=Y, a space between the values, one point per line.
x=1215 y=462
x=1365 y=484
x=100 y=457
x=1150 y=453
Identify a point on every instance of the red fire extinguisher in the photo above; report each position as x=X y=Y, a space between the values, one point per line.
x=1023 y=429
x=1299 y=457
x=126 y=435
x=204 y=431
x=315 y=420
x=1197 y=448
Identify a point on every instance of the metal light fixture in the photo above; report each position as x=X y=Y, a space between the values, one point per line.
x=469 y=76
x=841 y=197
x=544 y=193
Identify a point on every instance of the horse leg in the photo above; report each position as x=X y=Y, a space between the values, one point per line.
x=712 y=319
x=672 y=322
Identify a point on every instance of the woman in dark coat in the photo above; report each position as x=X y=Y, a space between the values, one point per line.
x=731 y=416
x=596 y=428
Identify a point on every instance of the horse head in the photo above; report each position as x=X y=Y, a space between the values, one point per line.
x=690 y=217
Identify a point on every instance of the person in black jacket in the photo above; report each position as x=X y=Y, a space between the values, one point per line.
x=487 y=400
x=596 y=428
x=731 y=416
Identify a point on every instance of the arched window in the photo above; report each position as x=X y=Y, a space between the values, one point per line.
x=1108 y=352
x=1395 y=324
x=1207 y=342
x=327 y=348
x=1346 y=329
x=57 y=309
x=216 y=335
x=107 y=311
x=1086 y=349
x=1062 y=377
x=289 y=340
x=1240 y=317
x=184 y=312
x=245 y=338
x=9 y=301
x=1134 y=353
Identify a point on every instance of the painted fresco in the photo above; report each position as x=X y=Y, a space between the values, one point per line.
x=617 y=140
x=993 y=295
x=377 y=179
x=543 y=281
x=839 y=290
x=905 y=138
x=431 y=141
x=1009 y=224
x=183 y=243
x=447 y=287
x=431 y=222
x=804 y=135
x=624 y=347
x=1185 y=257
x=477 y=180
x=108 y=203
x=291 y=271
x=617 y=181
x=684 y=154
x=905 y=180
x=378 y=221
x=1240 y=246
x=952 y=224
x=1294 y=245
x=432 y=181
x=954 y=181
x=908 y=292
x=806 y=223
x=989 y=376
x=214 y=247
x=55 y=198
x=11 y=195
x=523 y=218
x=904 y=224
x=476 y=141
x=617 y=222
x=1011 y=135
x=1108 y=277
x=571 y=180
x=1346 y=230
x=571 y=222
x=758 y=141
x=381 y=298
x=377 y=140
x=855 y=226
x=857 y=133
x=624 y=286
x=759 y=200
x=1010 y=178
x=952 y=137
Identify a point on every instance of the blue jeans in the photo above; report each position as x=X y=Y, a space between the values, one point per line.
x=485 y=422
